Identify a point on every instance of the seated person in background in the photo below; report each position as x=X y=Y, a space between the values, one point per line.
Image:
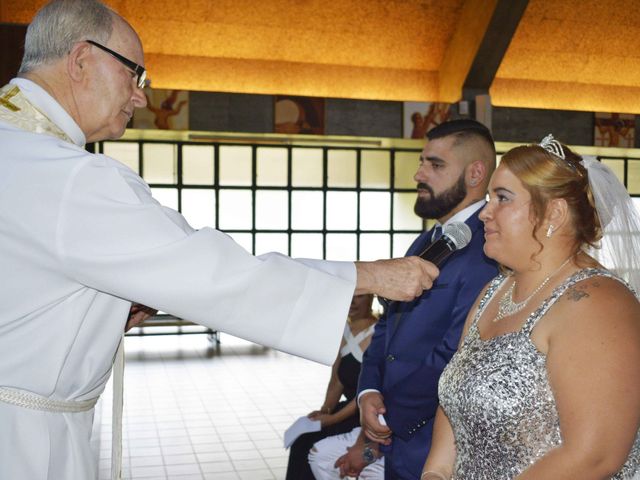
x=332 y=457
x=338 y=416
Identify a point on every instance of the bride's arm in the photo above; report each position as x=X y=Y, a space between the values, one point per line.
x=593 y=363
x=442 y=456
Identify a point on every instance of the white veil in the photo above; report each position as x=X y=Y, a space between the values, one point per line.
x=620 y=221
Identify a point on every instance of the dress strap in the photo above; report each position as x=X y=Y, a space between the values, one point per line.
x=560 y=290
x=352 y=345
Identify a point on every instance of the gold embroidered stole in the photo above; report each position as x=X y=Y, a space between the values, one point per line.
x=16 y=109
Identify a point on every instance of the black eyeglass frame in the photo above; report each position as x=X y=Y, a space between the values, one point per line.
x=139 y=70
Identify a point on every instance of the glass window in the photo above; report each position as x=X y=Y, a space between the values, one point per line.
x=375 y=169
x=341 y=168
x=633 y=179
x=306 y=167
x=402 y=242
x=306 y=245
x=166 y=196
x=406 y=165
x=272 y=242
x=271 y=166
x=243 y=239
x=342 y=246
x=125 y=152
x=197 y=164
x=307 y=201
x=342 y=210
x=306 y=210
x=403 y=216
x=374 y=246
x=235 y=165
x=198 y=207
x=272 y=212
x=235 y=209
x=374 y=210
x=160 y=162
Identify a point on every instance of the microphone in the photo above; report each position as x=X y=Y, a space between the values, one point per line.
x=455 y=236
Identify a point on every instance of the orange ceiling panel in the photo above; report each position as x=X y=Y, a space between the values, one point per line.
x=575 y=55
x=565 y=54
x=378 y=49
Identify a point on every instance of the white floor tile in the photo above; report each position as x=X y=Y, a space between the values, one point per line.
x=186 y=459
x=148 y=472
x=147 y=461
x=212 y=467
x=221 y=476
x=194 y=412
x=177 y=449
x=256 y=475
x=192 y=468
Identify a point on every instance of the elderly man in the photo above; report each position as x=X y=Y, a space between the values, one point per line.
x=81 y=238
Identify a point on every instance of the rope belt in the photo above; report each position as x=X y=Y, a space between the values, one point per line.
x=22 y=398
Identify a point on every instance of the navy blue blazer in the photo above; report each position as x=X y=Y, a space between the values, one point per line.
x=414 y=340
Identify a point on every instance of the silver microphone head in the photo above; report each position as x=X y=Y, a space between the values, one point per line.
x=459 y=233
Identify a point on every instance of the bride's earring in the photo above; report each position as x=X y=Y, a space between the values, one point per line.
x=550 y=231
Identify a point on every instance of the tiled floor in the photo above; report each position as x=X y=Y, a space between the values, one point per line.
x=193 y=411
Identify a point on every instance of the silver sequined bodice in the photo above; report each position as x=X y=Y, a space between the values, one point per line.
x=497 y=397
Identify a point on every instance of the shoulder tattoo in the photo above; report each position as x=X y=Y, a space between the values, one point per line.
x=578 y=292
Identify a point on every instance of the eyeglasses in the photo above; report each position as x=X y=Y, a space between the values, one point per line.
x=139 y=70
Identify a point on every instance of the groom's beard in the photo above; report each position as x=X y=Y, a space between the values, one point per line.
x=435 y=207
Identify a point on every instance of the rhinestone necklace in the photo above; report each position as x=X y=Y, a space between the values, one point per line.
x=508 y=307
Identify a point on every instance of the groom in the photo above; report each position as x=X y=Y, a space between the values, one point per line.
x=414 y=340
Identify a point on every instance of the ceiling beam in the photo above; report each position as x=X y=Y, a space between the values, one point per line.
x=497 y=37
x=462 y=49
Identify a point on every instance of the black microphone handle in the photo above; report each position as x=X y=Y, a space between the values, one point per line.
x=439 y=251
x=435 y=253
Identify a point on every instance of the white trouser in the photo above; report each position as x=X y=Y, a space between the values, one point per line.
x=324 y=454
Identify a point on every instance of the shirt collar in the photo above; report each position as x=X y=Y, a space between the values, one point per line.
x=48 y=105
x=464 y=214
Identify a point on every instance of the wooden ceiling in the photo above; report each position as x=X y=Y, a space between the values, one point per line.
x=560 y=54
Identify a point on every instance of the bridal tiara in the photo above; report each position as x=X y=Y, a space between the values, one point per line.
x=554 y=147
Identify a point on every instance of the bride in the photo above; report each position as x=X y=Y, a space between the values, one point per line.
x=546 y=382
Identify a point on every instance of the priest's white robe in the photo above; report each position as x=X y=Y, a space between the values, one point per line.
x=81 y=238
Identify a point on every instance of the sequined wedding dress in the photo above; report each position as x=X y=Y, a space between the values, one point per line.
x=497 y=396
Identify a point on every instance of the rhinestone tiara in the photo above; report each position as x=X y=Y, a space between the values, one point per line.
x=553 y=146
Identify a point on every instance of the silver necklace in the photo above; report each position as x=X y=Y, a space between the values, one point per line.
x=507 y=307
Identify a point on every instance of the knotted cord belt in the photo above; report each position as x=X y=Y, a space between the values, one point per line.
x=22 y=398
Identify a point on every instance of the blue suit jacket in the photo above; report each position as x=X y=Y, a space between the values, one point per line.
x=414 y=341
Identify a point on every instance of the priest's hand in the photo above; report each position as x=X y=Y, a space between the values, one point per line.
x=397 y=279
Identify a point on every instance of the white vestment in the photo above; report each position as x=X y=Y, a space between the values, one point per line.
x=80 y=239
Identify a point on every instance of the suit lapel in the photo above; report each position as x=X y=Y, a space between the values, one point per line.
x=398 y=309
